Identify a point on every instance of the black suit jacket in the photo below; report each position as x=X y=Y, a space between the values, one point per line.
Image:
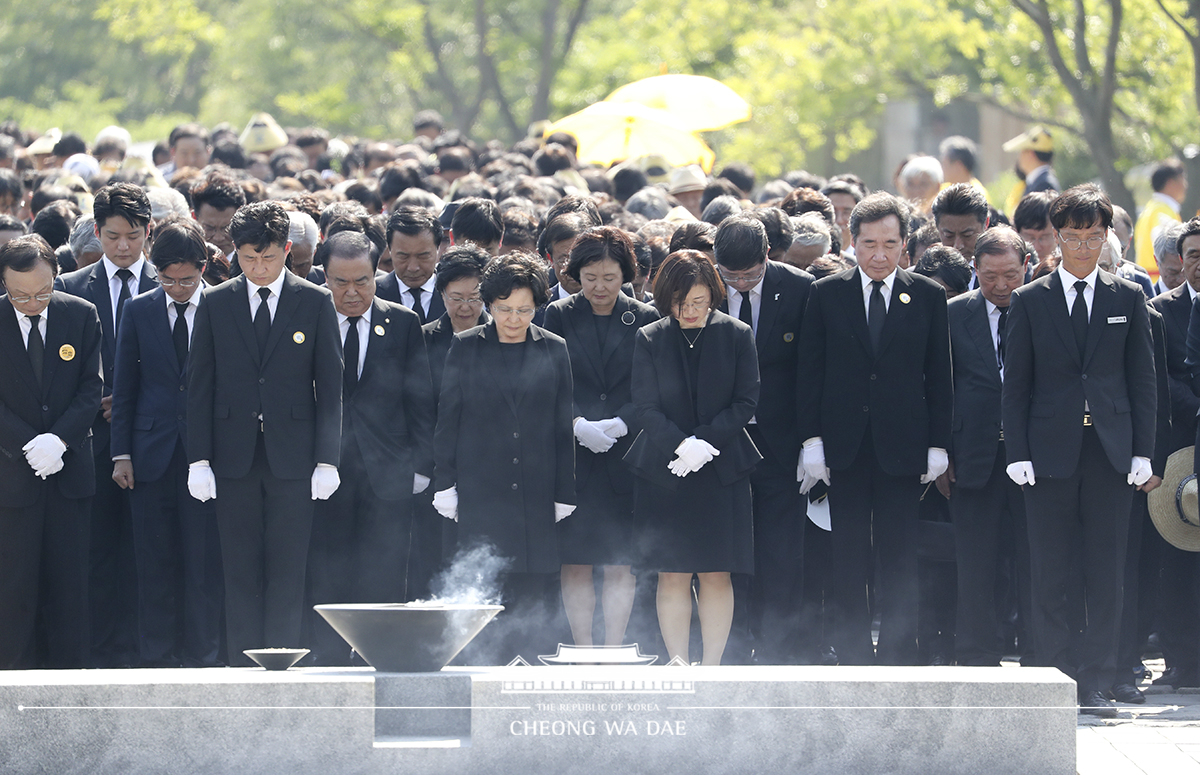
x=602 y=376
x=726 y=398
x=65 y=404
x=149 y=410
x=438 y=336
x=508 y=449
x=1046 y=382
x=905 y=390
x=1175 y=306
x=91 y=283
x=297 y=387
x=1162 y=433
x=780 y=318
x=394 y=432
x=1045 y=181
x=389 y=288
x=977 y=390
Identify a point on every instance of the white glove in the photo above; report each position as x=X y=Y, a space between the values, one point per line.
x=201 y=482
x=562 y=511
x=419 y=484
x=325 y=481
x=695 y=453
x=1139 y=471
x=613 y=427
x=591 y=436
x=812 y=461
x=937 y=461
x=43 y=450
x=49 y=470
x=1021 y=472
x=446 y=503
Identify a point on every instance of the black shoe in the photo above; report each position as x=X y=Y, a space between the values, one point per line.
x=1128 y=693
x=1094 y=703
x=1174 y=678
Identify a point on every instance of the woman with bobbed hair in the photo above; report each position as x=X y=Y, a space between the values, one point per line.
x=599 y=323
x=503 y=447
x=695 y=384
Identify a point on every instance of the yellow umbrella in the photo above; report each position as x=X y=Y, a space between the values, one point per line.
x=614 y=131
x=695 y=101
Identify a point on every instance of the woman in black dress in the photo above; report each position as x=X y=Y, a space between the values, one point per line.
x=599 y=324
x=695 y=384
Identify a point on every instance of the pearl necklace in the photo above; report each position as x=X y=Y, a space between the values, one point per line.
x=691 y=343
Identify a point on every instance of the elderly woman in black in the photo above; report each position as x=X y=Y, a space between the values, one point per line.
x=503 y=447
x=599 y=323
x=695 y=384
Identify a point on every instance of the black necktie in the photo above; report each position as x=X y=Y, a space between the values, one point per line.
x=1079 y=316
x=1000 y=335
x=350 y=352
x=37 y=350
x=180 y=333
x=417 y=307
x=876 y=313
x=124 y=275
x=746 y=313
x=262 y=322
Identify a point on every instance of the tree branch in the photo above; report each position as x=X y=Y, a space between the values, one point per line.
x=1082 y=61
x=1187 y=33
x=1021 y=114
x=488 y=72
x=1108 y=86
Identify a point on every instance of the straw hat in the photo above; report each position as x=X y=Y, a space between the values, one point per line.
x=1036 y=138
x=1173 y=504
x=262 y=135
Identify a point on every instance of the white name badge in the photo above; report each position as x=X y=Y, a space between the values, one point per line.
x=1118 y=319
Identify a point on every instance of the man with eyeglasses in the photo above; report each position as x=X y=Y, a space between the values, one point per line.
x=1078 y=407
x=49 y=395
x=176 y=549
x=214 y=201
x=769 y=297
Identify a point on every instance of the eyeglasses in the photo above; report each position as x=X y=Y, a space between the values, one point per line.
x=459 y=301
x=695 y=306
x=731 y=277
x=524 y=312
x=214 y=231
x=1076 y=244
x=166 y=282
x=27 y=299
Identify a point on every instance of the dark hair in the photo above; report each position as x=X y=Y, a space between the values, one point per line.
x=826 y=265
x=876 y=207
x=566 y=140
x=682 y=270
x=960 y=149
x=741 y=242
x=366 y=193
x=123 y=199
x=10 y=223
x=837 y=186
x=567 y=226
x=397 y=177
x=477 y=220
x=10 y=184
x=552 y=158
x=312 y=136
x=961 y=199
x=259 y=225
x=349 y=245
x=459 y=262
x=114 y=146
x=53 y=223
x=805 y=179
x=998 y=241
x=926 y=235
x=1165 y=172
x=187 y=130
x=778 y=226
x=456 y=159
x=505 y=274
x=69 y=145
x=22 y=253
x=1190 y=229
x=1033 y=211
x=575 y=203
x=427 y=119
x=719 y=209
x=341 y=210
x=44 y=195
x=946 y=264
x=217 y=190
x=804 y=200
x=520 y=229
x=718 y=187
x=178 y=241
x=740 y=175
x=1081 y=207
x=693 y=235
x=411 y=221
x=599 y=243
x=627 y=181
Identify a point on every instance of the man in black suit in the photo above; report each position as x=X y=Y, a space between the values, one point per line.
x=50 y=390
x=770 y=298
x=175 y=536
x=875 y=371
x=988 y=510
x=264 y=427
x=361 y=535
x=1079 y=422
x=122 y=214
x=414 y=238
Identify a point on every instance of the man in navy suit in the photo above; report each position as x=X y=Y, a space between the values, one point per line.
x=122 y=213
x=175 y=536
x=770 y=298
x=414 y=238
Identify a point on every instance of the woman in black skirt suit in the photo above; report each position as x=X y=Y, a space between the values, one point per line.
x=599 y=324
x=695 y=384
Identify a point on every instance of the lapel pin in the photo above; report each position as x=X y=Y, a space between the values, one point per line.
x=789 y=336
x=378 y=330
x=298 y=337
x=66 y=352
x=905 y=298
x=387 y=320
x=776 y=297
x=628 y=318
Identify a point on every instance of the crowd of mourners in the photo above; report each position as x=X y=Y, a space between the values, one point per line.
x=258 y=371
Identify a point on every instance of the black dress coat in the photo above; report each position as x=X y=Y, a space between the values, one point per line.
x=509 y=452
x=389 y=288
x=977 y=389
x=438 y=336
x=1176 y=309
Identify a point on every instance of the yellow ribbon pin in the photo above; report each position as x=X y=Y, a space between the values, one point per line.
x=66 y=352
x=298 y=337
x=379 y=330
x=905 y=298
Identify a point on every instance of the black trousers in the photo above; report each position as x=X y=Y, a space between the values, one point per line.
x=112 y=585
x=358 y=552
x=1131 y=634
x=984 y=521
x=867 y=508
x=264 y=523
x=1180 y=631
x=179 y=570
x=44 y=577
x=1078 y=529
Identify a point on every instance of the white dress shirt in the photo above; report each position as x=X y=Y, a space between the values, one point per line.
x=1033 y=173
x=364 y=335
x=993 y=316
x=189 y=314
x=272 y=300
x=735 y=302
x=1068 y=282
x=27 y=327
x=114 y=282
x=1169 y=201
x=406 y=295
x=886 y=290
x=1191 y=291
